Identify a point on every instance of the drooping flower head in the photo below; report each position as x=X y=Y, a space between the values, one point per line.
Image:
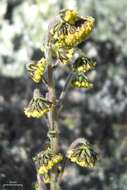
x=37 y=69
x=38 y=106
x=72 y=30
x=46 y=160
x=81 y=81
x=83 y=64
x=83 y=30
x=83 y=154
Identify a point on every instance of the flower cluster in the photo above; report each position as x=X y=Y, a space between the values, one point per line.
x=83 y=64
x=72 y=29
x=45 y=161
x=81 y=81
x=38 y=106
x=37 y=69
x=80 y=67
x=65 y=35
x=83 y=155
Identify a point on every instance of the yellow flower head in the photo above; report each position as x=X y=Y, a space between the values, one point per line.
x=83 y=154
x=37 y=69
x=38 y=106
x=66 y=35
x=69 y=16
x=46 y=160
x=83 y=64
x=81 y=81
x=83 y=30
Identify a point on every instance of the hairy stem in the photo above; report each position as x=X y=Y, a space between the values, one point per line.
x=52 y=117
x=41 y=185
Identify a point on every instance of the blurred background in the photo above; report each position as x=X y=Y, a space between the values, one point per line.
x=99 y=114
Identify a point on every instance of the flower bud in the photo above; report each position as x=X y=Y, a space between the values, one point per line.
x=38 y=106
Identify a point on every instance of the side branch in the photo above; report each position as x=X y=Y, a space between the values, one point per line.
x=64 y=91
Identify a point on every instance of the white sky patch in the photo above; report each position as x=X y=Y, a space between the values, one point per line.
x=71 y=4
x=53 y=1
x=44 y=7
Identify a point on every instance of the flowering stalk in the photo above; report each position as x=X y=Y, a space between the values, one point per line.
x=52 y=117
x=60 y=48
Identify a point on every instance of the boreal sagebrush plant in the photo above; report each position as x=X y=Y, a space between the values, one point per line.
x=60 y=47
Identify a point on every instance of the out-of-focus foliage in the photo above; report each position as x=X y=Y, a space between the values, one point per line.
x=111 y=16
x=24 y=29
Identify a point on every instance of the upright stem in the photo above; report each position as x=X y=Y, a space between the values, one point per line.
x=52 y=117
x=42 y=186
x=51 y=95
